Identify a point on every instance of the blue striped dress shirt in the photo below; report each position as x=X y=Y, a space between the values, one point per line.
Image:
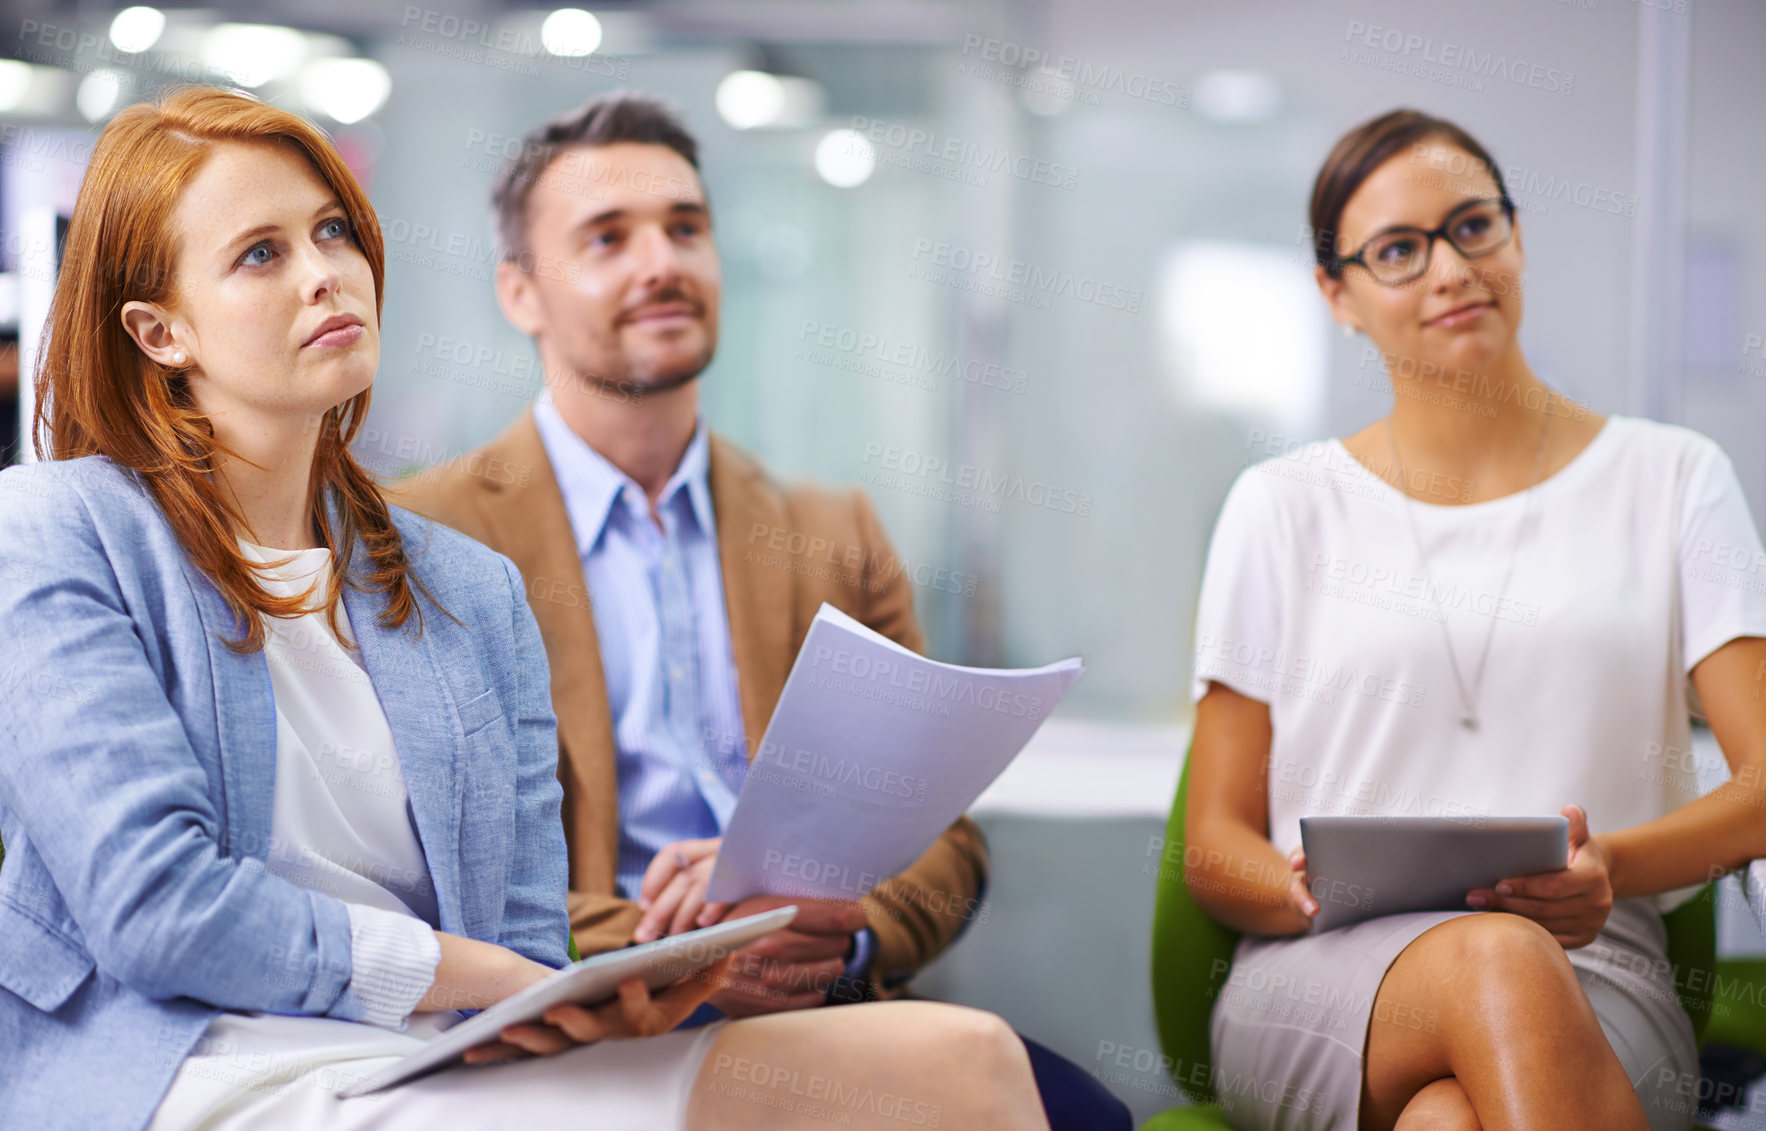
x=657 y=595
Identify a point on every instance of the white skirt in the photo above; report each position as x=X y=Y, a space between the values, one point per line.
x=267 y=1072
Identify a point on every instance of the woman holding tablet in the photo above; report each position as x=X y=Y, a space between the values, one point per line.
x=1488 y=603
x=279 y=783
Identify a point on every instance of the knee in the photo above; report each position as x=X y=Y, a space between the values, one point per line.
x=1440 y=1106
x=986 y=1034
x=981 y=1040
x=1507 y=948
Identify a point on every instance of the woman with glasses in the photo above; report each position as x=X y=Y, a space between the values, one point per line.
x=1491 y=602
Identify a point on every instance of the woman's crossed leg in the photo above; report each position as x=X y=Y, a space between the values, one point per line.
x=1515 y=1043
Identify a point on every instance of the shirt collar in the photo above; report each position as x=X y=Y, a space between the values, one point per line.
x=592 y=485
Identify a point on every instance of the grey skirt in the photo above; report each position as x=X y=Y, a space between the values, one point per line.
x=1289 y=1027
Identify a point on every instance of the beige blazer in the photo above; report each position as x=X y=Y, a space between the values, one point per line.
x=783 y=551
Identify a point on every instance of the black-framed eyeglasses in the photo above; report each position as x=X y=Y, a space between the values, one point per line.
x=1476 y=228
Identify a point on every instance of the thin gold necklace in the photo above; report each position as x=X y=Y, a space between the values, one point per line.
x=1468 y=698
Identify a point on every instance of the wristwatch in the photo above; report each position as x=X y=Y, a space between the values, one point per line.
x=854 y=983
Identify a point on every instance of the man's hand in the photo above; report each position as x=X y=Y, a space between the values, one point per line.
x=1572 y=904
x=793 y=968
x=672 y=894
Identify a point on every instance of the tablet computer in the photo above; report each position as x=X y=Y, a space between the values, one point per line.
x=1363 y=867
x=589 y=982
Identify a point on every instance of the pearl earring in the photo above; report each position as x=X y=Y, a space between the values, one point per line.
x=180 y=358
x=1348 y=330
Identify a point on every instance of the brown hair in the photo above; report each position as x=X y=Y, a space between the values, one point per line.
x=99 y=394
x=1362 y=150
x=606 y=119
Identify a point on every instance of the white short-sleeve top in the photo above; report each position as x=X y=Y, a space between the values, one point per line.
x=1638 y=559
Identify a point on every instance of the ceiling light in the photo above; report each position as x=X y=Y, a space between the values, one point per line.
x=749 y=100
x=571 y=32
x=345 y=89
x=845 y=159
x=746 y=99
x=253 y=54
x=98 y=93
x=136 y=29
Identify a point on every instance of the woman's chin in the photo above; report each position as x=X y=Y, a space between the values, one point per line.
x=351 y=377
x=1475 y=350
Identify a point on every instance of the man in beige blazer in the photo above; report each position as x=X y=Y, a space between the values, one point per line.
x=612 y=270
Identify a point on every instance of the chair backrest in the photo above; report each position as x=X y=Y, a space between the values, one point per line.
x=1692 y=951
x=1192 y=954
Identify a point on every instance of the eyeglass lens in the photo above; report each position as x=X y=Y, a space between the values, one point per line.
x=1402 y=255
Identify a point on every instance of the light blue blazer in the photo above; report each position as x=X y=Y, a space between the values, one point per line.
x=137 y=767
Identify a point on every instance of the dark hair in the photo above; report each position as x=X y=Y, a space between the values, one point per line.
x=1365 y=148
x=606 y=119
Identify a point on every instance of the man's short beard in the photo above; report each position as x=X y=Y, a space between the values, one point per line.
x=625 y=389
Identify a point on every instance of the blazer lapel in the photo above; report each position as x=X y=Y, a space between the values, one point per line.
x=402 y=667
x=525 y=514
x=245 y=721
x=757 y=597
x=403 y=670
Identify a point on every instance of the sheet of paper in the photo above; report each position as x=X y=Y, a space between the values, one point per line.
x=871 y=753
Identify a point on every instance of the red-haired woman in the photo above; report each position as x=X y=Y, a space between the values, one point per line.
x=1488 y=603
x=279 y=786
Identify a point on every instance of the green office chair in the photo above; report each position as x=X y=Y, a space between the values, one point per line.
x=1192 y=953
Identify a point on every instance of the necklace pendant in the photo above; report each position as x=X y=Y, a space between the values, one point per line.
x=1468 y=722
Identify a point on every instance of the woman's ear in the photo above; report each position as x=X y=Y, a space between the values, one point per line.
x=1337 y=296
x=149 y=325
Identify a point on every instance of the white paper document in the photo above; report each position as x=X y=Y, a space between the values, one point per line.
x=872 y=752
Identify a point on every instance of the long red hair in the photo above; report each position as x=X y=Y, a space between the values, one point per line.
x=99 y=394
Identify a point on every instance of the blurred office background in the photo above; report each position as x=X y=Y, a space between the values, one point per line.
x=1035 y=274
